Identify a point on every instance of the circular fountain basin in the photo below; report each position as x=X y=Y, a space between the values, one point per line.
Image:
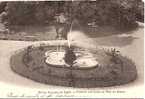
x=84 y=59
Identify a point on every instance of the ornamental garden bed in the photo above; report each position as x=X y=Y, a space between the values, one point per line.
x=112 y=68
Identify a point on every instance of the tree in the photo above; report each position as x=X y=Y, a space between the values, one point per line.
x=19 y=12
x=117 y=13
x=2 y=6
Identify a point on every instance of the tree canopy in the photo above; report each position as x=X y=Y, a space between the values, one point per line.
x=117 y=13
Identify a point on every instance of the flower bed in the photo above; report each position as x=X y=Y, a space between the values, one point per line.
x=113 y=69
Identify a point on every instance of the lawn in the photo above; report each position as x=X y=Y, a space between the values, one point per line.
x=29 y=33
x=48 y=32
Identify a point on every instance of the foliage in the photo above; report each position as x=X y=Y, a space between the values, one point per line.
x=117 y=13
x=20 y=13
x=41 y=47
x=29 y=13
x=2 y=6
x=29 y=49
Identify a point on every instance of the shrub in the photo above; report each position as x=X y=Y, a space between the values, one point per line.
x=29 y=49
x=117 y=13
x=41 y=47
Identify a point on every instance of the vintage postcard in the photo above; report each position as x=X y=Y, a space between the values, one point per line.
x=72 y=49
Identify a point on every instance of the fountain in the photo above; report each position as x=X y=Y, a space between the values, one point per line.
x=68 y=56
x=61 y=57
x=73 y=66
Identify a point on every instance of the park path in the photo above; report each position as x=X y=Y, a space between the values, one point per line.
x=134 y=49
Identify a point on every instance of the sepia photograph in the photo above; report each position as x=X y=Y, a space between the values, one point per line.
x=69 y=49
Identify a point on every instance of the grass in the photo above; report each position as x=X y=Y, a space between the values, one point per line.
x=30 y=33
x=48 y=32
x=108 y=73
